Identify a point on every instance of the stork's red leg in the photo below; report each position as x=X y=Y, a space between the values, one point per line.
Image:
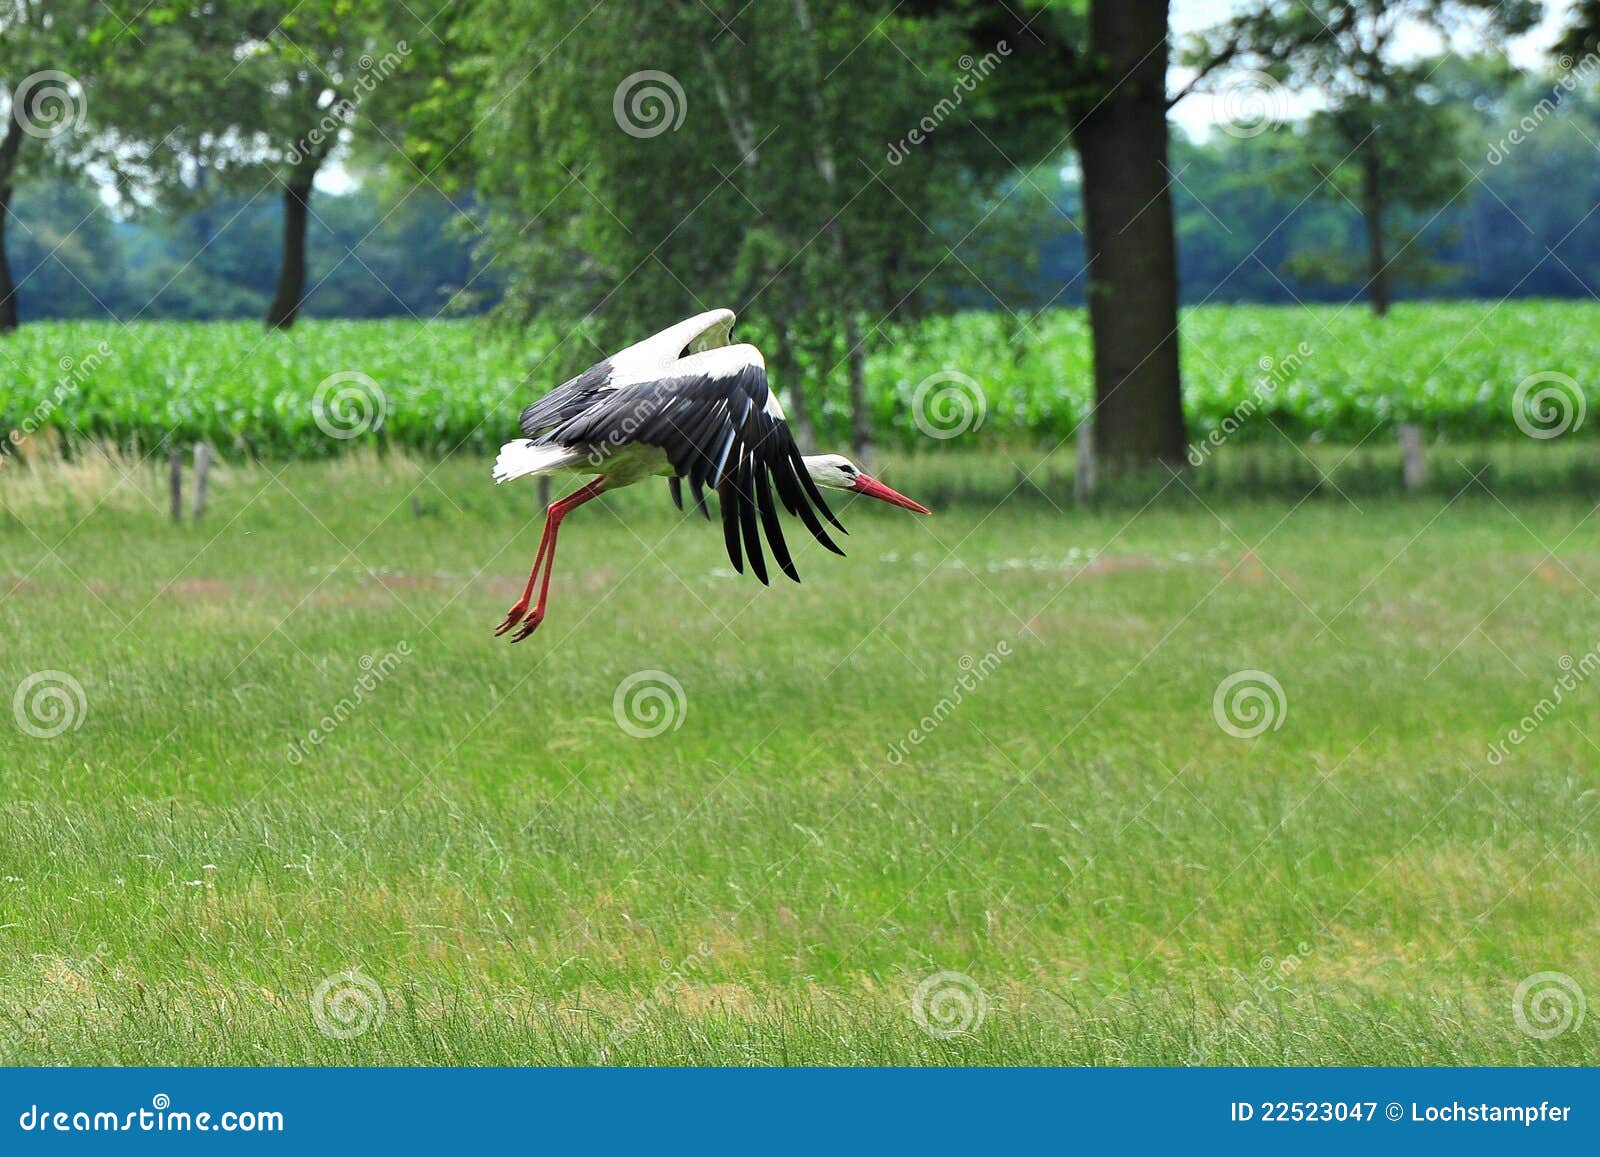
x=547 y=558
x=520 y=607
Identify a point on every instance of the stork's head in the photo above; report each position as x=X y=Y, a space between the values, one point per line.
x=839 y=472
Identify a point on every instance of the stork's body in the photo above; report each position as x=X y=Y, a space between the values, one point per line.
x=686 y=405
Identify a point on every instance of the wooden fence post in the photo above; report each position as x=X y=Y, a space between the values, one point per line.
x=1413 y=466
x=175 y=466
x=202 y=475
x=1083 y=467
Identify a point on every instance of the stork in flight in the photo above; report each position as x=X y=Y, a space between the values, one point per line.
x=688 y=405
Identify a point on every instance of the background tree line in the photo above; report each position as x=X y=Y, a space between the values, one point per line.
x=1241 y=239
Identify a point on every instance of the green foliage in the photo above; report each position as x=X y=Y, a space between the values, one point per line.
x=1246 y=226
x=255 y=393
x=1453 y=368
x=63 y=93
x=791 y=188
x=1389 y=137
x=370 y=256
x=242 y=90
x=1582 y=34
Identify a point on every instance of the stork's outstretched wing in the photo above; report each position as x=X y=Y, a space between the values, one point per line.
x=643 y=361
x=719 y=424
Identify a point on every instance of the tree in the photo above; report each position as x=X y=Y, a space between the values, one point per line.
x=262 y=91
x=793 y=191
x=1122 y=141
x=1381 y=116
x=1096 y=71
x=49 y=57
x=315 y=67
x=1582 y=34
x=1409 y=153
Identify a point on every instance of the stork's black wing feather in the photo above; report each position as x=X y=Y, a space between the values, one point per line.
x=566 y=401
x=716 y=419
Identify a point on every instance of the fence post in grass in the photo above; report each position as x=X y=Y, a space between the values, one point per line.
x=1413 y=466
x=1083 y=464
x=202 y=475
x=544 y=490
x=175 y=466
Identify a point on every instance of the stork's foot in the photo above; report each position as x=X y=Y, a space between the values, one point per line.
x=529 y=624
x=513 y=616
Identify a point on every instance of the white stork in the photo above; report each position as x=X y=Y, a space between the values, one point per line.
x=684 y=404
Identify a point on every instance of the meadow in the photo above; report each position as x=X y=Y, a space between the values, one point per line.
x=1208 y=777
x=1316 y=373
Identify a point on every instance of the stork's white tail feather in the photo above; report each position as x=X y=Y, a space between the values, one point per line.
x=526 y=457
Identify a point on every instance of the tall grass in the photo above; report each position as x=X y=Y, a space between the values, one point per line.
x=775 y=875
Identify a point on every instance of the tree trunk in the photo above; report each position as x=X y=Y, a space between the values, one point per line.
x=292 y=273
x=828 y=172
x=1121 y=139
x=805 y=433
x=9 y=148
x=8 y=294
x=1372 y=214
x=860 y=412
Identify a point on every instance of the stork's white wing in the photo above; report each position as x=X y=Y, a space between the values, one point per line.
x=641 y=362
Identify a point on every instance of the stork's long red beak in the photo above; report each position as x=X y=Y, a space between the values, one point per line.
x=872 y=488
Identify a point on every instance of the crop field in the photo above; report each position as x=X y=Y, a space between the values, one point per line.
x=1212 y=779
x=1306 y=373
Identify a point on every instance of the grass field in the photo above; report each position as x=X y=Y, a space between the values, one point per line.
x=1329 y=372
x=1082 y=861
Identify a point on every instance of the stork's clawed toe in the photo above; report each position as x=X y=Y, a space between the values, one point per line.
x=529 y=625
x=513 y=616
